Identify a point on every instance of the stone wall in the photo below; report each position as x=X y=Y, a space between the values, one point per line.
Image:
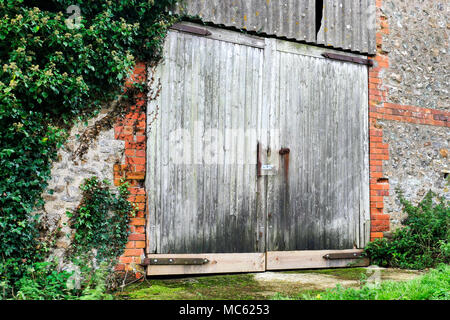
x=418 y=52
x=68 y=173
x=115 y=153
x=418 y=162
x=409 y=107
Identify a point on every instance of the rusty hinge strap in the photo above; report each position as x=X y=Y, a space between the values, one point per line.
x=343 y=255
x=189 y=29
x=174 y=261
x=258 y=160
x=340 y=57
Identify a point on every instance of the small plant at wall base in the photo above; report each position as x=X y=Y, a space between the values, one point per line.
x=423 y=241
x=54 y=74
x=42 y=281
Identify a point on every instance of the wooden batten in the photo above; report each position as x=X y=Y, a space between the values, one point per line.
x=311 y=259
x=218 y=263
x=256 y=262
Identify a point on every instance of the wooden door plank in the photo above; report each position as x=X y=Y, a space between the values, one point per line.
x=311 y=259
x=218 y=263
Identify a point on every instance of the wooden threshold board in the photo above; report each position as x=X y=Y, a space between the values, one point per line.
x=218 y=263
x=311 y=259
x=255 y=262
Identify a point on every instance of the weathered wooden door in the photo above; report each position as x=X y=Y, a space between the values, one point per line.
x=319 y=197
x=202 y=148
x=255 y=146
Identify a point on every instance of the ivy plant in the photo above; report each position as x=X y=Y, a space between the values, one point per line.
x=61 y=61
x=101 y=222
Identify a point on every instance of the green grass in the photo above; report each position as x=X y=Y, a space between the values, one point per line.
x=435 y=285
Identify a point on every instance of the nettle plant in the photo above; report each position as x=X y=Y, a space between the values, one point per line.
x=423 y=240
x=58 y=67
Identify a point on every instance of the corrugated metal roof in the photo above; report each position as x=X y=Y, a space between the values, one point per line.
x=349 y=25
x=344 y=24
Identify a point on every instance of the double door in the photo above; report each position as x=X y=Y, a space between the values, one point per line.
x=257 y=155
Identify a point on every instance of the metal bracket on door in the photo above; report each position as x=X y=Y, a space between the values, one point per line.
x=175 y=261
x=190 y=29
x=340 y=57
x=342 y=255
x=284 y=152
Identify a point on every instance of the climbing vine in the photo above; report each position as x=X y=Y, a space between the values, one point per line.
x=61 y=61
x=101 y=221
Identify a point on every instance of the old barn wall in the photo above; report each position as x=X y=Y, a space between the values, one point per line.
x=409 y=128
x=418 y=158
x=409 y=107
x=417 y=45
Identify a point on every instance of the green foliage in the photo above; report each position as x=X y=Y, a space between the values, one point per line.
x=433 y=286
x=97 y=288
x=51 y=76
x=100 y=222
x=422 y=242
x=42 y=281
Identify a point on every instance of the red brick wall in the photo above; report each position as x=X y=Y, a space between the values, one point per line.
x=131 y=129
x=381 y=109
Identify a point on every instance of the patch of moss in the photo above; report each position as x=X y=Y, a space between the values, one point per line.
x=341 y=273
x=235 y=286
x=156 y=292
x=241 y=287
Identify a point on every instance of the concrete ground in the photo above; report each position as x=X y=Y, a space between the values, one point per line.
x=257 y=286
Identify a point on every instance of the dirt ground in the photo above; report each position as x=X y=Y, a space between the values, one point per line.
x=258 y=286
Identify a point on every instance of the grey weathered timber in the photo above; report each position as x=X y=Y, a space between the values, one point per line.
x=227 y=96
x=202 y=147
x=311 y=259
x=319 y=198
x=346 y=24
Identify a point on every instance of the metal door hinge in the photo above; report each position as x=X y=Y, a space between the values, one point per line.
x=340 y=57
x=174 y=261
x=189 y=29
x=343 y=255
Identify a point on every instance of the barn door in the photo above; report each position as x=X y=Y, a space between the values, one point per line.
x=257 y=155
x=202 y=151
x=318 y=200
